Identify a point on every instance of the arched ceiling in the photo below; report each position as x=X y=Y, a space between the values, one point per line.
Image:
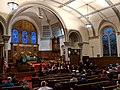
x=96 y=10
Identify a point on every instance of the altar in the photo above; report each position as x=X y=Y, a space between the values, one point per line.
x=25 y=52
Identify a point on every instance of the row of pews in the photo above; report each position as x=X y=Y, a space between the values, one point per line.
x=64 y=79
x=93 y=81
x=19 y=76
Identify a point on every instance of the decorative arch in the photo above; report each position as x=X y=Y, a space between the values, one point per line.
x=105 y=23
x=3 y=24
x=76 y=34
x=26 y=6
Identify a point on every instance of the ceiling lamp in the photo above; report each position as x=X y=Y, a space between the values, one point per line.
x=88 y=25
x=12 y=5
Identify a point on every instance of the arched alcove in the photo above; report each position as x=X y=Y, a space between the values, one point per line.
x=75 y=47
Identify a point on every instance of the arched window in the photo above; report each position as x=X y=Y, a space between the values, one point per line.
x=109 y=42
x=24 y=37
x=14 y=36
x=33 y=37
x=27 y=34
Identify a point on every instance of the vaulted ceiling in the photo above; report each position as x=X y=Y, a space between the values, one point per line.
x=96 y=10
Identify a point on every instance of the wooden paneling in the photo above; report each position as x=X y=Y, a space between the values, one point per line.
x=49 y=55
x=105 y=61
x=55 y=44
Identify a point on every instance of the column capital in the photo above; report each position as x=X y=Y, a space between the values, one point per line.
x=6 y=38
x=80 y=44
x=66 y=43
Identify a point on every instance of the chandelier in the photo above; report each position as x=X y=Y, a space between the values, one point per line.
x=88 y=25
x=12 y=5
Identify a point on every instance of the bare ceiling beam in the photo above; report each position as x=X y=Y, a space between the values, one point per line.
x=99 y=13
x=66 y=3
x=114 y=9
x=78 y=13
x=110 y=6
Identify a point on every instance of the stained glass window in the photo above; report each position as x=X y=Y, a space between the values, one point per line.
x=33 y=37
x=24 y=36
x=14 y=36
x=109 y=42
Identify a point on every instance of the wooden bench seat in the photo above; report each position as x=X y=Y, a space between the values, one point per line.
x=110 y=87
x=12 y=88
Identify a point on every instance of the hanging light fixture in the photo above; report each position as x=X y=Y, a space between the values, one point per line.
x=12 y=5
x=88 y=25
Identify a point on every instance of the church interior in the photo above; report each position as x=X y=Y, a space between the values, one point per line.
x=55 y=40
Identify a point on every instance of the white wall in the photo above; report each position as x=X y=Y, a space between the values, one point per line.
x=94 y=47
x=45 y=45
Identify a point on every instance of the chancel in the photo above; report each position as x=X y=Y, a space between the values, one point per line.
x=66 y=44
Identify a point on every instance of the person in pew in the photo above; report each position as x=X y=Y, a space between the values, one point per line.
x=73 y=79
x=58 y=86
x=103 y=74
x=8 y=83
x=25 y=85
x=118 y=85
x=44 y=86
x=83 y=79
x=14 y=80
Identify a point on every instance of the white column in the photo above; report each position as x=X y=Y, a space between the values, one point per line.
x=6 y=51
x=81 y=48
x=66 y=51
x=5 y=40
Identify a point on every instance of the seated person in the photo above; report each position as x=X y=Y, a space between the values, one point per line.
x=25 y=85
x=44 y=86
x=14 y=81
x=103 y=74
x=73 y=79
x=83 y=79
x=8 y=83
x=58 y=86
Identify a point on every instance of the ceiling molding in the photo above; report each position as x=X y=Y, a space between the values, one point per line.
x=114 y=9
x=95 y=37
x=85 y=42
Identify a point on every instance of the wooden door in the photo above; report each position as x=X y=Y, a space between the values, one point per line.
x=74 y=59
x=74 y=55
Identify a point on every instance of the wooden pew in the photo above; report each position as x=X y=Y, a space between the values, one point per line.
x=88 y=86
x=35 y=82
x=12 y=88
x=51 y=83
x=110 y=87
x=68 y=85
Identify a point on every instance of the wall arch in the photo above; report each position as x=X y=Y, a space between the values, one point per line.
x=3 y=23
x=28 y=5
x=77 y=33
x=105 y=23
